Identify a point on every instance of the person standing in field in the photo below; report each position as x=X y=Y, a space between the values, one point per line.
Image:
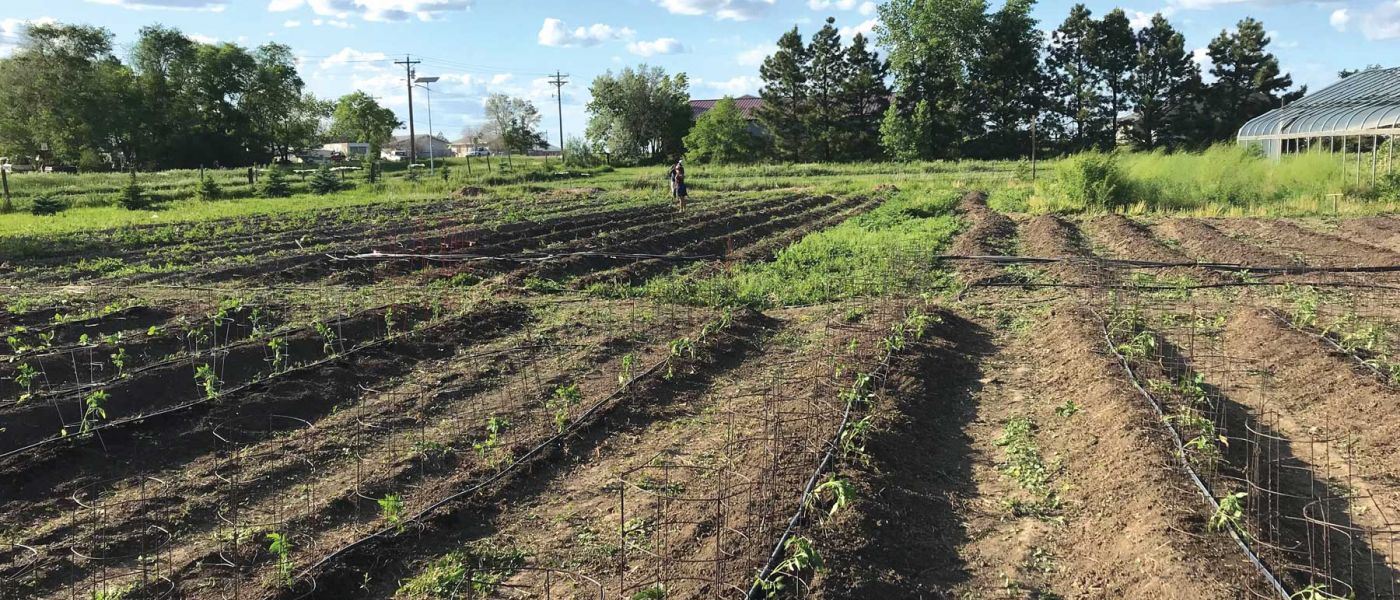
x=678 y=183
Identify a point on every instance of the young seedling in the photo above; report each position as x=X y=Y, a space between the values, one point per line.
x=94 y=411
x=486 y=449
x=1068 y=409
x=47 y=338
x=853 y=441
x=389 y=321
x=281 y=547
x=119 y=361
x=624 y=374
x=565 y=397
x=205 y=378
x=24 y=376
x=802 y=558
x=278 y=346
x=1230 y=514
x=327 y=336
x=1140 y=347
x=840 y=492
x=391 y=506
x=655 y=592
x=1315 y=591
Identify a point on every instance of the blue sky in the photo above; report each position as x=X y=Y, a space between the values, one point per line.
x=511 y=46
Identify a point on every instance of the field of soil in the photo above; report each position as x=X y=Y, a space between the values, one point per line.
x=436 y=401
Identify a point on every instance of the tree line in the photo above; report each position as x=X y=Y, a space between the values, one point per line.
x=971 y=82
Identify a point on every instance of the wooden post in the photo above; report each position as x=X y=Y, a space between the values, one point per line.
x=5 y=187
x=5 y=184
x=1375 y=151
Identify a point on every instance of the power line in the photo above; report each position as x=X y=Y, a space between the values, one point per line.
x=558 y=83
x=408 y=64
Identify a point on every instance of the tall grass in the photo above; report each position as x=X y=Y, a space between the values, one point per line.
x=1224 y=179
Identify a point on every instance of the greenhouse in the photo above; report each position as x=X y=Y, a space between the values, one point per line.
x=1355 y=117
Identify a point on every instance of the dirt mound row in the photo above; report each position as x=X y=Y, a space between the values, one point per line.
x=989 y=233
x=1324 y=391
x=1123 y=238
x=1314 y=248
x=1206 y=243
x=1382 y=232
x=1051 y=236
x=1132 y=525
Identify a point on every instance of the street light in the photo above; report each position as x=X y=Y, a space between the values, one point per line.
x=427 y=81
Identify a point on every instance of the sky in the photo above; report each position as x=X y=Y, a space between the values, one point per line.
x=479 y=47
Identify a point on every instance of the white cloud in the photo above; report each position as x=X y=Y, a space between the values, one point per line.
x=1138 y=19
x=290 y=23
x=348 y=56
x=337 y=23
x=754 y=57
x=865 y=29
x=658 y=46
x=201 y=38
x=556 y=33
x=730 y=10
x=372 y=10
x=831 y=4
x=201 y=5
x=736 y=86
x=1339 y=19
x=1381 y=22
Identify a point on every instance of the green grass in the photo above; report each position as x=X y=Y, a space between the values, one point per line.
x=1224 y=180
x=866 y=255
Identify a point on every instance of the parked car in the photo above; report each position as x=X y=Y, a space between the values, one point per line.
x=480 y=151
x=61 y=169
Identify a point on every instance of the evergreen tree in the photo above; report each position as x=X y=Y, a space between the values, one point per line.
x=1114 y=56
x=721 y=135
x=784 y=111
x=1076 y=80
x=865 y=97
x=208 y=189
x=1009 y=81
x=132 y=196
x=44 y=205
x=1248 y=81
x=827 y=73
x=1165 y=88
x=275 y=184
x=324 y=181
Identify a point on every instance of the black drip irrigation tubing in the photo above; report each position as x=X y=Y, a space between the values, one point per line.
x=583 y=420
x=776 y=556
x=1148 y=264
x=1180 y=453
x=534 y=257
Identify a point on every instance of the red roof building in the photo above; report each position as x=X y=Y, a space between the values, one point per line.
x=748 y=105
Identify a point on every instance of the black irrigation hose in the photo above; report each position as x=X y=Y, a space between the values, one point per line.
x=531 y=257
x=1180 y=453
x=1148 y=264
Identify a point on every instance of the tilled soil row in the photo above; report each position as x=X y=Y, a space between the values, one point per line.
x=1131 y=526
x=1382 y=232
x=989 y=234
x=391 y=556
x=1206 y=243
x=1053 y=237
x=1313 y=248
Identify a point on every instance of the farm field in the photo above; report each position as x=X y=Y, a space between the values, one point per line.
x=889 y=381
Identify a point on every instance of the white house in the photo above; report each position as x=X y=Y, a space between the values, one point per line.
x=353 y=150
x=426 y=145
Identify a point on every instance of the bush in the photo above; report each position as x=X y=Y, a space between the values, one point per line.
x=133 y=197
x=275 y=184
x=208 y=189
x=47 y=205
x=1092 y=180
x=325 y=182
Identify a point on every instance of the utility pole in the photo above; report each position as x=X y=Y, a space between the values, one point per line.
x=408 y=63
x=427 y=85
x=5 y=183
x=558 y=82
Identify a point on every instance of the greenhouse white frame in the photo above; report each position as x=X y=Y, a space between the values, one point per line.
x=1355 y=116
